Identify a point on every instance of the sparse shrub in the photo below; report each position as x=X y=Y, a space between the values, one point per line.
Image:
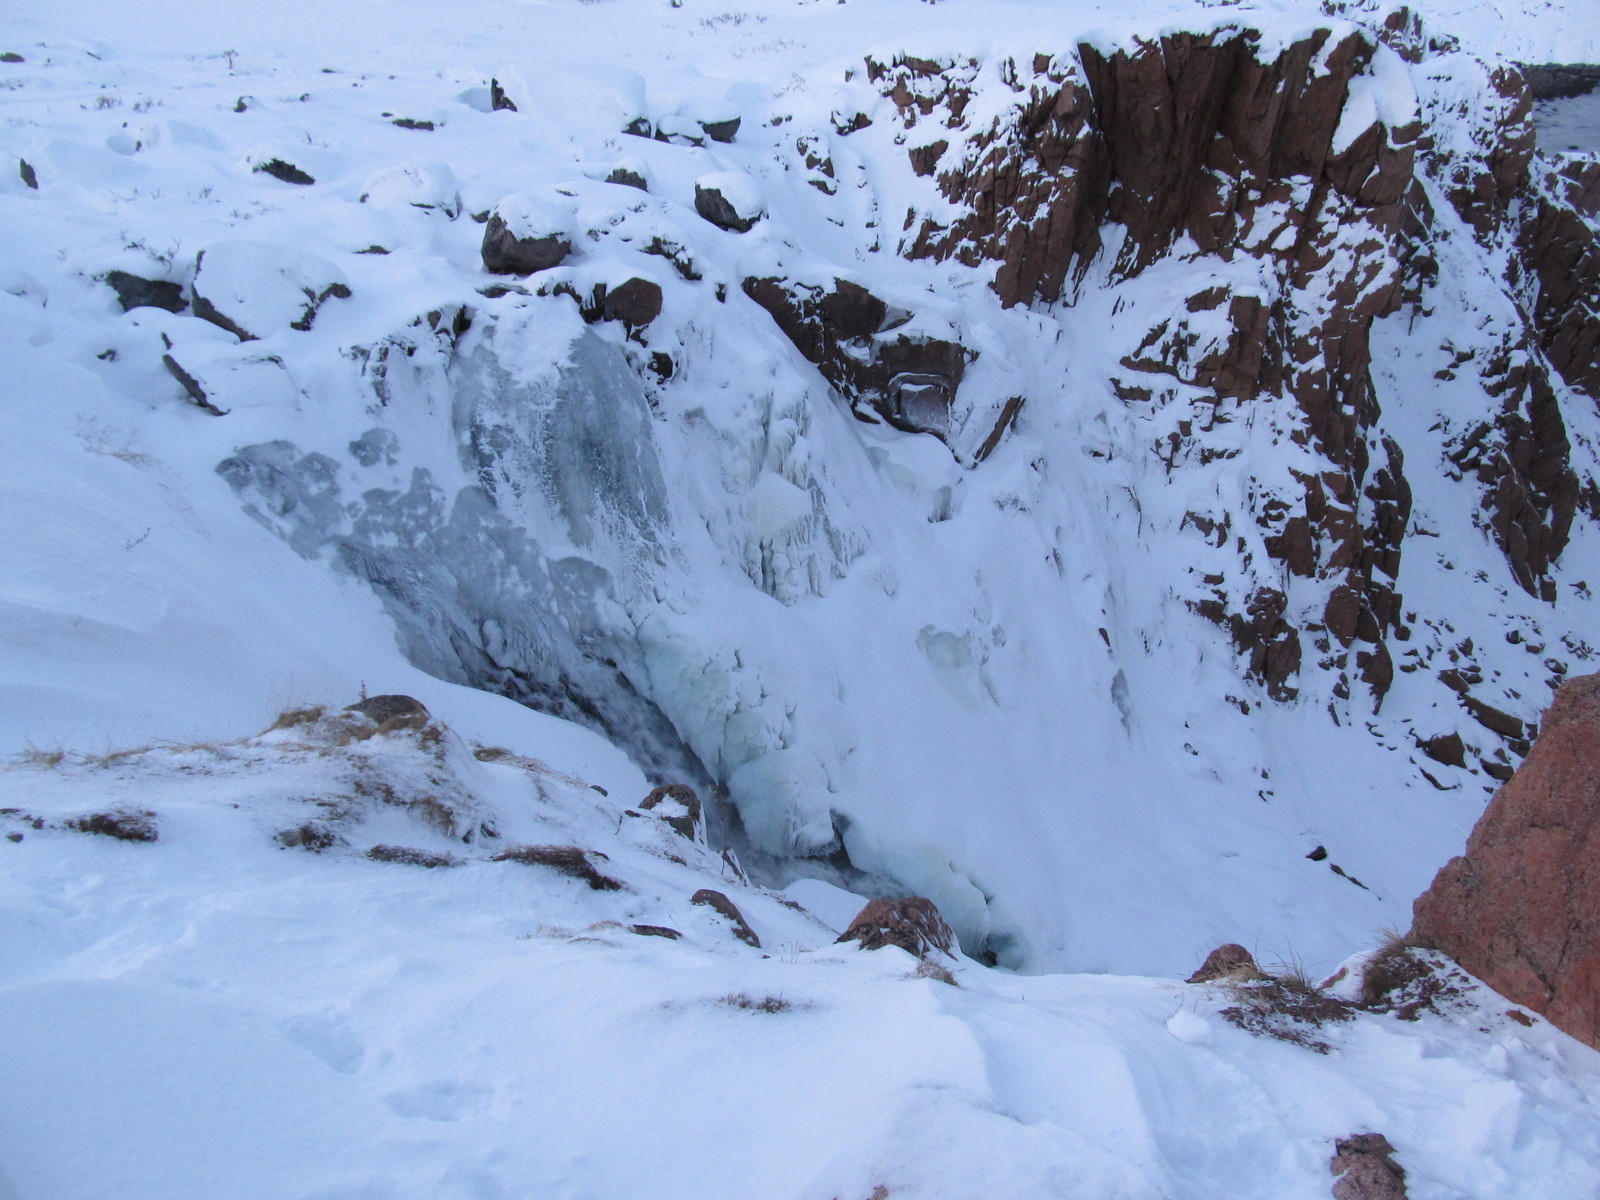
x=765 y=1004
x=411 y=856
x=44 y=760
x=125 y=825
x=1286 y=1007
x=1407 y=980
x=313 y=836
x=569 y=860
x=431 y=810
x=113 y=758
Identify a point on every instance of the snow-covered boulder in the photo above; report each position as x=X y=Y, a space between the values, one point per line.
x=525 y=235
x=630 y=172
x=253 y=289
x=729 y=200
x=429 y=186
x=222 y=378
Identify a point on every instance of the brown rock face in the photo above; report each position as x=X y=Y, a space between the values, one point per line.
x=1203 y=138
x=1561 y=247
x=718 y=902
x=1228 y=960
x=911 y=922
x=1521 y=909
x=1366 y=1169
x=677 y=805
x=635 y=303
x=1197 y=136
x=907 y=382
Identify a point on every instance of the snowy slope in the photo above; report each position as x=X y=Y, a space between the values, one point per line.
x=215 y=1014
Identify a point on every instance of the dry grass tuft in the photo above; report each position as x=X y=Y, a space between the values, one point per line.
x=411 y=856
x=40 y=759
x=928 y=969
x=749 y=1003
x=1407 y=979
x=293 y=718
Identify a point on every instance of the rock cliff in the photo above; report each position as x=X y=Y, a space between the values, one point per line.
x=1521 y=909
x=1311 y=184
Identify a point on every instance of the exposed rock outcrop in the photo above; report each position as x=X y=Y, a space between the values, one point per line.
x=1521 y=909
x=908 y=381
x=508 y=250
x=394 y=710
x=135 y=291
x=677 y=805
x=1322 y=164
x=729 y=201
x=719 y=903
x=1366 y=1169
x=635 y=302
x=913 y=923
x=1560 y=81
x=1228 y=961
x=253 y=289
x=1198 y=137
x=569 y=860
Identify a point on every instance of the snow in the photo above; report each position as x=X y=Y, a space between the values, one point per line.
x=739 y=190
x=983 y=685
x=1381 y=93
x=261 y=287
x=527 y=218
x=424 y=185
x=230 y=1016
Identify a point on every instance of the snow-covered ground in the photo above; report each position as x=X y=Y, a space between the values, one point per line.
x=984 y=684
x=216 y=1014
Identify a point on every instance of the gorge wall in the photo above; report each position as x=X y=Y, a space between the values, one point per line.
x=978 y=472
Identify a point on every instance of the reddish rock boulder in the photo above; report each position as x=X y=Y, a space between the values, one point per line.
x=1366 y=1170
x=911 y=922
x=720 y=903
x=677 y=805
x=1521 y=909
x=1228 y=961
